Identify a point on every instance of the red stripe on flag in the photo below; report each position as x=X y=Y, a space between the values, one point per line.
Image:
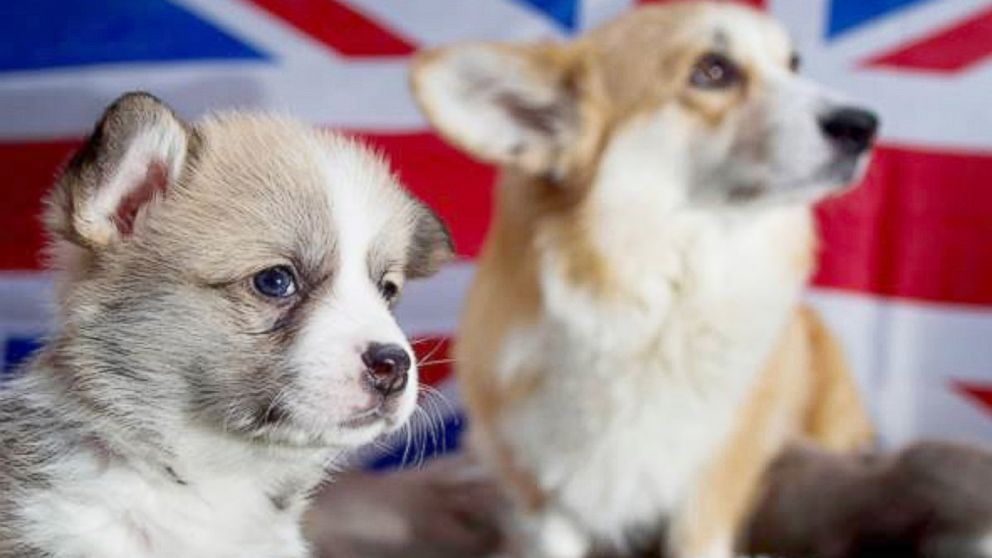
x=456 y=186
x=342 y=28
x=433 y=360
x=920 y=227
x=980 y=394
x=949 y=50
x=29 y=170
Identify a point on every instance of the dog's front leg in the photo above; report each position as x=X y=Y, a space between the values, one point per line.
x=548 y=533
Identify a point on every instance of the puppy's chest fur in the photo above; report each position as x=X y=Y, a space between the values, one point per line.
x=645 y=387
x=109 y=509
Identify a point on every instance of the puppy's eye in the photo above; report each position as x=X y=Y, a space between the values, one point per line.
x=389 y=289
x=275 y=282
x=794 y=62
x=714 y=71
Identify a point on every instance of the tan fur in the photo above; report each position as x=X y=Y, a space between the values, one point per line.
x=836 y=417
x=805 y=391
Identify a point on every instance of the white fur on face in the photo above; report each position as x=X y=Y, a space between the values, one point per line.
x=331 y=387
x=799 y=162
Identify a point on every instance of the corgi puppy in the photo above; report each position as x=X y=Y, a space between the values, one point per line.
x=224 y=336
x=633 y=352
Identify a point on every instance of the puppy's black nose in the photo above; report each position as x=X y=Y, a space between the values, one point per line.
x=387 y=366
x=851 y=129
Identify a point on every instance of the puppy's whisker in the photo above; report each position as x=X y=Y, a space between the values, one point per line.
x=440 y=398
x=435 y=362
x=407 y=432
x=440 y=343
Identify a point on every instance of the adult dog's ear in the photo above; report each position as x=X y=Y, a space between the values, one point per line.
x=134 y=155
x=430 y=246
x=511 y=105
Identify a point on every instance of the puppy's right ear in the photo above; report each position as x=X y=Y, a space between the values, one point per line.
x=517 y=105
x=134 y=155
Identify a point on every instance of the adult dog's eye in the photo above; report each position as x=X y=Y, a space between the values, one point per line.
x=714 y=71
x=389 y=289
x=275 y=282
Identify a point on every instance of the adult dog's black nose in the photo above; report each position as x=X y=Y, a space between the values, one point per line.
x=387 y=366
x=851 y=129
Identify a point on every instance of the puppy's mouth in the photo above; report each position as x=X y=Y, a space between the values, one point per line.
x=382 y=410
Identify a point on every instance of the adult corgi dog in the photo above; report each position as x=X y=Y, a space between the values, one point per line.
x=634 y=350
x=224 y=336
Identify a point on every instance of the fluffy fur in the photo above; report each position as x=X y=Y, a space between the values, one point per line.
x=928 y=500
x=633 y=352
x=180 y=410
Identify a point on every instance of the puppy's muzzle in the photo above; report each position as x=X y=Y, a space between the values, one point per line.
x=850 y=129
x=387 y=368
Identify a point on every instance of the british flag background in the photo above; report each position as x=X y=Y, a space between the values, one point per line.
x=906 y=266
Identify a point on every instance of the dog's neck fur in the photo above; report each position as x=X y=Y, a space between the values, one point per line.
x=610 y=309
x=166 y=474
x=621 y=253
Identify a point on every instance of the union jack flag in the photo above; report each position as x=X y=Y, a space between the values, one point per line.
x=906 y=264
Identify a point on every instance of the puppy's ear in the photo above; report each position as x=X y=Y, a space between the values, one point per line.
x=134 y=155
x=510 y=105
x=431 y=245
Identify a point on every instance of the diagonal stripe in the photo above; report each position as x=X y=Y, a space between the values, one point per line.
x=564 y=12
x=980 y=394
x=342 y=28
x=40 y=34
x=949 y=50
x=848 y=14
x=17 y=350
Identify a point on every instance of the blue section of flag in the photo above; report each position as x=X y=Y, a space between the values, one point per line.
x=16 y=350
x=565 y=12
x=446 y=438
x=36 y=34
x=848 y=14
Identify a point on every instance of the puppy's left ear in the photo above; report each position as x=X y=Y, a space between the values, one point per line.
x=431 y=245
x=134 y=155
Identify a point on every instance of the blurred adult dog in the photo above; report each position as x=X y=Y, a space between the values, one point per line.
x=634 y=352
x=225 y=334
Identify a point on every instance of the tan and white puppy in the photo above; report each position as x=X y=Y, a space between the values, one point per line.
x=225 y=335
x=633 y=351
